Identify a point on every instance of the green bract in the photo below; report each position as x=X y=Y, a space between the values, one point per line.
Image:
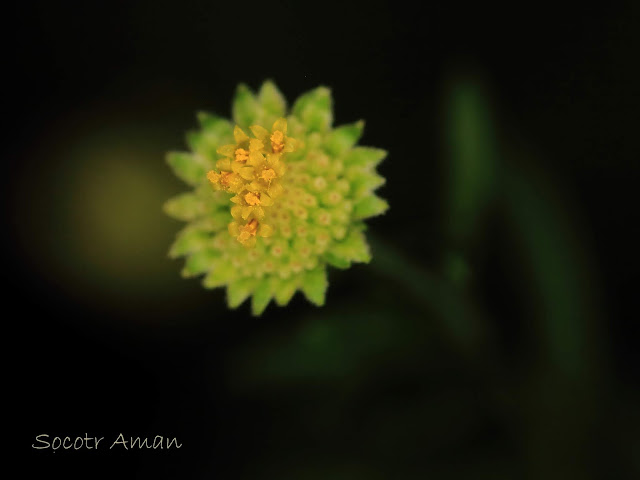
x=329 y=189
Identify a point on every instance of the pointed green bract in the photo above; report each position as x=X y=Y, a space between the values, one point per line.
x=271 y=100
x=187 y=167
x=284 y=289
x=186 y=206
x=200 y=262
x=219 y=275
x=341 y=139
x=364 y=157
x=336 y=261
x=327 y=189
x=189 y=240
x=314 y=285
x=246 y=109
x=363 y=182
x=369 y=207
x=217 y=129
x=353 y=248
x=314 y=110
x=204 y=146
x=239 y=290
x=261 y=297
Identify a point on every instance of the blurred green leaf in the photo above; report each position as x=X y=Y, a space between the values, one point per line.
x=472 y=160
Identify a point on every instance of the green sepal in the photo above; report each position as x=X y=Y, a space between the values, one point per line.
x=187 y=166
x=239 y=290
x=186 y=206
x=314 y=285
x=369 y=207
x=200 y=262
x=261 y=296
x=285 y=288
x=364 y=157
x=272 y=101
x=314 y=109
x=341 y=139
x=245 y=108
x=189 y=240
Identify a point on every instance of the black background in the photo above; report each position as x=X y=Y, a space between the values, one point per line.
x=564 y=81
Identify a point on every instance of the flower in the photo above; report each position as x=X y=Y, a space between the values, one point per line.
x=277 y=197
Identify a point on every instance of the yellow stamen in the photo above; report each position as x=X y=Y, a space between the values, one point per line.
x=268 y=174
x=247 y=231
x=213 y=177
x=252 y=199
x=249 y=171
x=223 y=179
x=277 y=141
x=241 y=155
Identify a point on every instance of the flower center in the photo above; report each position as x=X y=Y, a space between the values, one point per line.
x=252 y=172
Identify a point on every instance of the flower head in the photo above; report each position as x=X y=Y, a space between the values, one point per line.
x=277 y=197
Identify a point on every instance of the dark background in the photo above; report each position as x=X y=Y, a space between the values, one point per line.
x=493 y=335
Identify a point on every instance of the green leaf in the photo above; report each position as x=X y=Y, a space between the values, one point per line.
x=285 y=288
x=187 y=166
x=314 y=109
x=314 y=285
x=200 y=262
x=245 y=108
x=261 y=297
x=365 y=157
x=189 y=240
x=369 y=207
x=239 y=290
x=272 y=101
x=186 y=206
x=474 y=156
x=341 y=139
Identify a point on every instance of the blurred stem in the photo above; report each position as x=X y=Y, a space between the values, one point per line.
x=561 y=394
x=460 y=319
